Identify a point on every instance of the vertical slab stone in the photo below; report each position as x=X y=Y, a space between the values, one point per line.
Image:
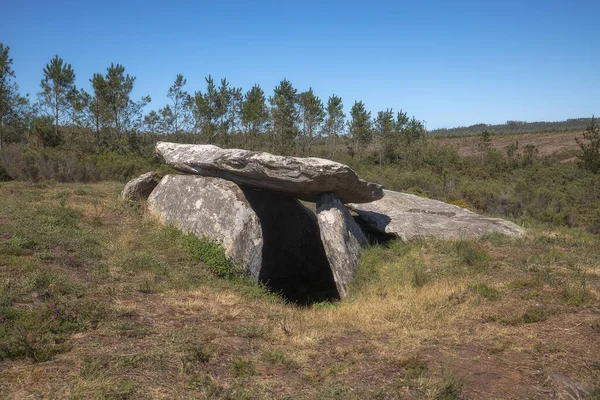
x=273 y=236
x=214 y=208
x=342 y=239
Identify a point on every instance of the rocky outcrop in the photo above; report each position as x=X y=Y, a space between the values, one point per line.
x=342 y=239
x=302 y=178
x=140 y=188
x=248 y=202
x=411 y=217
x=274 y=237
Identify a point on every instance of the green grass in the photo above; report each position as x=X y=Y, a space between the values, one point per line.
x=241 y=368
x=532 y=315
x=485 y=291
x=450 y=387
x=154 y=312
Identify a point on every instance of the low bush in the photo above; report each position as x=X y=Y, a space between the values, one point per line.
x=64 y=165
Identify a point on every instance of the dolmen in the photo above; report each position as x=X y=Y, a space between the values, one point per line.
x=249 y=202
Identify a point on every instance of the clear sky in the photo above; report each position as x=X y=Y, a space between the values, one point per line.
x=448 y=63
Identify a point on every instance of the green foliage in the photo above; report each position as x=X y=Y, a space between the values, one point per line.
x=13 y=107
x=360 y=127
x=334 y=122
x=241 y=368
x=112 y=110
x=210 y=254
x=312 y=116
x=251 y=331
x=58 y=91
x=472 y=255
x=213 y=110
x=589 y=157
x=532 y=315
x=196 y=354
x=485 y=141
x=514 y=127
x=486 y=291
x=254 y=115
x=61 y=165
x=45 y=132
x=181 y=113
x=450 y=388
x=285 y=114
x=274 y=357
x=578 y=293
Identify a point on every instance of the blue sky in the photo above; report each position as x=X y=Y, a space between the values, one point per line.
x=448 y=63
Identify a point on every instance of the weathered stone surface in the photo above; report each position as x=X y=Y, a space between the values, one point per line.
x=140 y=188
x=342 y=239
x=303 y=178
x=213 y=208
x=273 y=236
x=411 y=217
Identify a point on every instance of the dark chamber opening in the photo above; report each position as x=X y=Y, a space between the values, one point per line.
x=294 y=263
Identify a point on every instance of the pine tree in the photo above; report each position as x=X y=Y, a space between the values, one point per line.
x=334 y=123
x=180 y=105
x=284 y=111
x=360 y=127
x=114 y=106
x=207 y=109
x=386 y=137
x=254 y=115
x=312 y=115
x=8 y=90
x=589 y=157
x=58 y=86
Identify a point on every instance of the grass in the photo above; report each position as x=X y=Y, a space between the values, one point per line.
x=98 y=301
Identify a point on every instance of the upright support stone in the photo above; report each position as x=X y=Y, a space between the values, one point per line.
x=342 y=239
x=214 y=208
x=274 y=237
x=140 y=188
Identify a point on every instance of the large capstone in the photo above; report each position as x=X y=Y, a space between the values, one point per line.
x=412 y=217
x=274 y=237
x=302 y=178
x=140 y=188
x=342 y=239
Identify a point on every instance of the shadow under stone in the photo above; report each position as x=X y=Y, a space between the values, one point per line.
x=374 y=236
x=294 y=263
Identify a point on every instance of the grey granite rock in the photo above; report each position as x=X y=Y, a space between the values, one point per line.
x=274 y=237
x=303 y=178
x=411 y=217
x=140 y=188
x=342 y=239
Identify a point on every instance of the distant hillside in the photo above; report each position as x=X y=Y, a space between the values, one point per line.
x=515 y=127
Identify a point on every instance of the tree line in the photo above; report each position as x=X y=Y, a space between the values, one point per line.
x=513 y=127
x=287 y=122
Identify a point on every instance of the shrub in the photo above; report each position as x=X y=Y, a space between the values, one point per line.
x=589 y=157
x=64 y=165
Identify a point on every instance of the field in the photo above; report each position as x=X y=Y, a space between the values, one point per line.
x=99 y=301
x=557 y=143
